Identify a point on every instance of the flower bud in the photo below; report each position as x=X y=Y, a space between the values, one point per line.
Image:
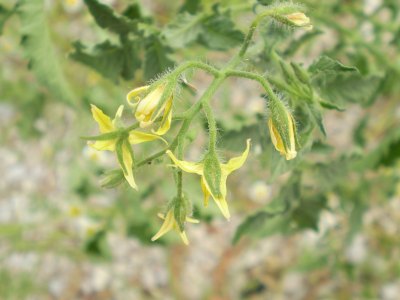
x=282 y=130
x=299 y=19
x=149 y=108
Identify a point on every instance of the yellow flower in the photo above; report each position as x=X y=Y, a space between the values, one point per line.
x=146 y=108
x=300 y=20
x=283 y=136
x=171 y=224
x=213 y=175
x=121 y=145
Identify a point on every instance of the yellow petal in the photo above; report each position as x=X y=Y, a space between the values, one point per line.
x=191 y=220
x=236 y=162
x=276 y=138
x=146 y=106
x=167 y=225
x=186 y=166
x=184 y=237
x=223 y=207
x=103 y=145
x=138 y=137
x=128 y=163
x=102 y=119
x=205 y=190
x=291 y=152
x=133 y=96
x=167 y=118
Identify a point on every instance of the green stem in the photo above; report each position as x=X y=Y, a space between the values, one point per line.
x=264 y=83
x=212 y=126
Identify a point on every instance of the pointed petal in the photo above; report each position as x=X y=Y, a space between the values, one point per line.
x=102 y=119
x=236 y=162
x=223 y=207
x=103 y=145
x=167 y=118
x=184 y=237
x=205 y=190
x=276 y=138
x=133 y=96
x=191 y=220
x=186 y=166
x=138 y=137
x=167 y=225
x=127 y=160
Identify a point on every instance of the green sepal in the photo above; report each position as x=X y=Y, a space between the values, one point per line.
x=112 y=179
x=213 y=173
x=300 y=73
x=279 y=116
x=330 y=105
x=118 y=150
x=180 y=211
x=102 y=137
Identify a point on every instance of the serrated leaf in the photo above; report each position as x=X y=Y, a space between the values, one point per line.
x=219 y=33
x=183 y=30
x=340 y=84
x=107 y=19
x=325 y=64
x=275 y=217
x=40 y=50
x=156 y=57
x=111 y=61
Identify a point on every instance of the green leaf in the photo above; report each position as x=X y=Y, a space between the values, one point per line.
x=111 y=61
x=156 y=58
x=191 y=6
x=219 y=31
x=316 y=115
x=4 y=15
x=329 y=105
x=107 y=19
x=39 y=49
x=262 y=224
x=97 y=245
x=183 y=30
x=275 y=217
x=306 y=214
x=325 y=64
x=387 y=153
x=340 y=84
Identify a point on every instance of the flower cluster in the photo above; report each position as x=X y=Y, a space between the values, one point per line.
x=152 y=107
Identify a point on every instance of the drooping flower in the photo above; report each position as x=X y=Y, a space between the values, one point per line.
x=213 y=175
x=282 y=131
x=119 y=142
x=148 y=108
x=299 y=19
x=170 y=223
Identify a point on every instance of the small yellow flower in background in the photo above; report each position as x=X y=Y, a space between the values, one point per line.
x=300 y=20
x=171 y=224
x=283 y=136
x=74 y=210
x=124 y=153
x=72 y=6
x=213 y=176
x=146 y=107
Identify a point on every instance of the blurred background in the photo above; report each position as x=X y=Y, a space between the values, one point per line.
x=63 y=236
